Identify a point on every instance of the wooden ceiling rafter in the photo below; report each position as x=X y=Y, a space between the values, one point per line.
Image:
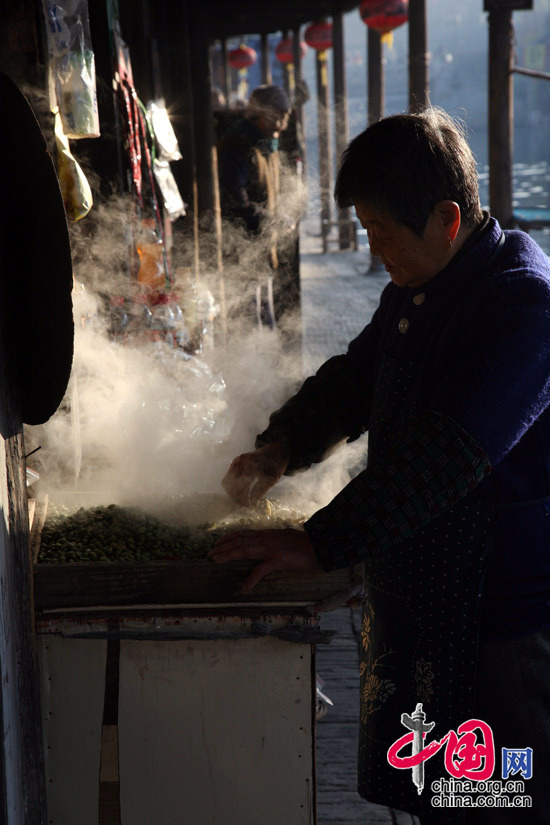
x=244 y=17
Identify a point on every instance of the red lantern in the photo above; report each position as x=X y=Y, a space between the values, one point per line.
x=319 y=35
x=284 y=51
x=242 y=57
x=384 y=15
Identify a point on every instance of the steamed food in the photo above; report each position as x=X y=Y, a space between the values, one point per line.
x=112 y=533
x=124 y=534
x=265 y=515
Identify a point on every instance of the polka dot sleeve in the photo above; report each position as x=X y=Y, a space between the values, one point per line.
x=434 y=465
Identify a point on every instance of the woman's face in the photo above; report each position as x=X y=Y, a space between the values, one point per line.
x=272 y=122
x=409 y=260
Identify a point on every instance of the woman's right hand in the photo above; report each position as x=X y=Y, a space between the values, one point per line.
x=251 y=475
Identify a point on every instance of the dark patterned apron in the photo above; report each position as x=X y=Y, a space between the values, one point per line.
x=420 y=623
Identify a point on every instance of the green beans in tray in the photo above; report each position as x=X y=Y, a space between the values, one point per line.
x=121 y=534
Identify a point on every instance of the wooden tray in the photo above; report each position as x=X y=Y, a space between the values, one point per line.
x=176 y=583
x=83 y=585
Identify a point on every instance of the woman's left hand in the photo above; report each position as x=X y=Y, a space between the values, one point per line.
x=278 y=549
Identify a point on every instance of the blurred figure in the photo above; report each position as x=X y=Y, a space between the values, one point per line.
x=218 y=99
x=248 y=164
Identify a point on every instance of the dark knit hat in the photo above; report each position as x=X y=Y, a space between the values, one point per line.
x=267 y=97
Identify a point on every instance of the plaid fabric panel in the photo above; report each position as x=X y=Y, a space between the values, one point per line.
x=331 y=406
x=434 y=465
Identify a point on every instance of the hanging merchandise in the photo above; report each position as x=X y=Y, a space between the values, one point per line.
x=130 y=111
x=151 y=257
x=168 y=150
x=72 y=66
x=139 y=137
x=173 y=203
x=165 y=137
x=75 y=189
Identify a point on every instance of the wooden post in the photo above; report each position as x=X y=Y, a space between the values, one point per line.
x=203 y=121
x=156 y=80
x=324 y=142
x=202 y=112
x=23 y=800
x=221 y=296
x=265 y=58
x=178 y=91
x=226 y=73
x=375 y=76
x=419 y=84
x=289 y=76
x=375 y=87
x=501 y=115
x=298 y=104
x=341 y=128
x=208 y=212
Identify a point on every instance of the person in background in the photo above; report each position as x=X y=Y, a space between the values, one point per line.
x=218 y=99
x=248 y=164
x=451 y=516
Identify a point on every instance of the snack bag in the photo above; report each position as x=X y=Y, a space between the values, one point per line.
x=73 y=66
x=75 y=189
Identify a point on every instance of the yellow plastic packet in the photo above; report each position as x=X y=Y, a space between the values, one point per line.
x=75 y=189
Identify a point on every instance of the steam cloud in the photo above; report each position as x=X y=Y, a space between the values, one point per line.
x=143 y=422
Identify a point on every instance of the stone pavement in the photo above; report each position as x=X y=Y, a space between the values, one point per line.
x=338 y=299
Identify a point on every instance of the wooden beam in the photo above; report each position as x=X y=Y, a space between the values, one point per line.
x=531 y=73
x=250 y=17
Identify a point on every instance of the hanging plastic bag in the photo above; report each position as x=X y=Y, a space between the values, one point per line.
x=173 y=202
x=75 y=189
x=129 y=105
x=73 y=66
x=164 y=132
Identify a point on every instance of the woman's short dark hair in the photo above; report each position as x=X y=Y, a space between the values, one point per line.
x=405 y=164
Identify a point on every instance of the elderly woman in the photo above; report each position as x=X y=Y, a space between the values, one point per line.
x=451 y=517
x=248 y=160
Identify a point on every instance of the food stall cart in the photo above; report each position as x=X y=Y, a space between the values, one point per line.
x=169 y=697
